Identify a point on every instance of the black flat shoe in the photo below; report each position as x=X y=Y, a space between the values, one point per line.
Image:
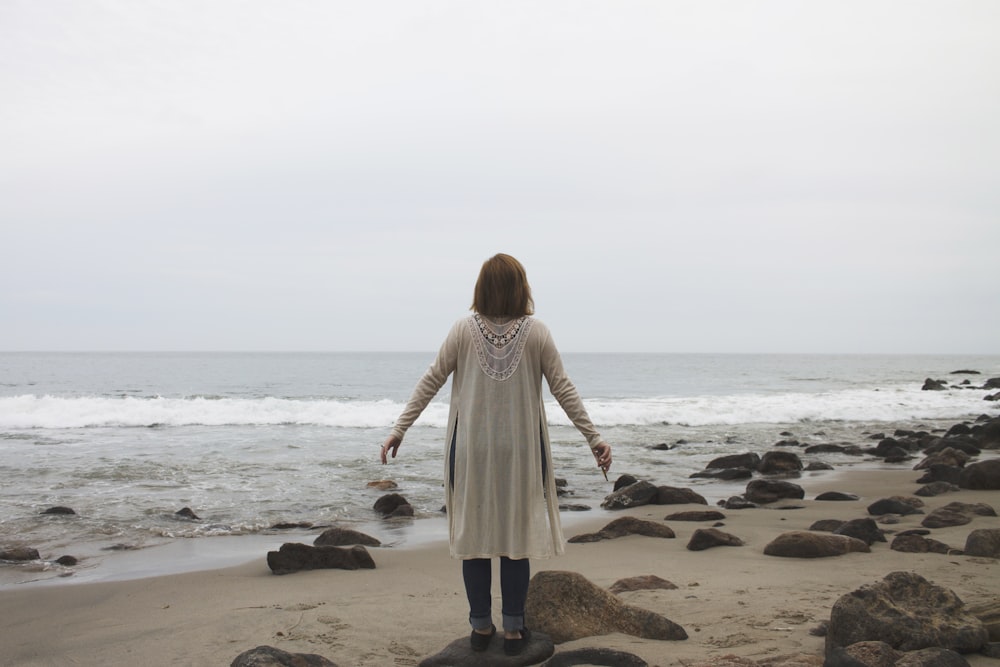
x=516 y=646
x=481 y=642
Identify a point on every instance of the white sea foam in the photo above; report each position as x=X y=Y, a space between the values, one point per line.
x=48 y=412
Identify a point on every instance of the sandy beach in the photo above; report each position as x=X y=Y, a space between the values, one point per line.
x=730 y=600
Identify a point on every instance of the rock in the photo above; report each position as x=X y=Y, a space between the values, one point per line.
x=934 y=385
x=59 y=510
x=918 y=544
x=778 y=462
x=596 y=656
x=936 y=489
x=291 y=525
x=825 y=448
x=988 y=611
x=864 y=529
x=730 y=660
x=294 y=557
x=941 y=473
x=567 y=606
x=946 y=457
x=907 y=612
x=623 y=481
x=187 y=513
x=956 y=514
x=573 y=507
x=642 y=583
x=932 y=657
x=764 y=491
x=19 y=554
x=671 y=495
x=339 y=537
x=268 y=656
x=389 y=503
x=837 y=495
x=736 y=503
x=724 y=474
x=983 y=542
x=863 y=654
x=459 y=652
x=804 y=544
x=892 y=506
x=749 y=460
x=706 y=538
x=696 y=515
x=383 y=485
x=633 y=495
x=626 y=525
x=827 y=525
x=818 y=465
x=67 y=561
x=983 y=475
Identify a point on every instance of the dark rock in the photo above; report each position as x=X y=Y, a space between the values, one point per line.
x=459 y=653
x=339 y=537
x=936 y=489
x=671 y=495
x=934 y=385
x=956 y=514
x=67 y=561
x=827 y=525
x=749 y=460
x=623 y=481
x=992 y=383
x=725 y=474
x=567 y=606
x=696 y=515
x=19 y=554
x=932 y=657
x=706 y=538
x=736 y=503
x=294 y=557
x=643 y=583
x=663 y=447
x=907 y=612
x=389 y=503
x=864 y=529
x=992 y=650
x=965 y=371
x=818 y=465
x=824 y=448
x=918 y=544
x=764 y=491
x=984 y=542
x=948 y=456
x=634 y=495
x=863 y=654
x=892 y=506
x=626 y=525
x=837 y=495
x=596 y=656
x=574 y=508
x=791 y=442
x=803 y=544
x=291 y=525
x=401 y=511
x=268 y=656
x=383 y=485
x=779 y=462
x=983 y=475
x=988 y=611
x=187 y=513
x=962 y=444
x=59 y=510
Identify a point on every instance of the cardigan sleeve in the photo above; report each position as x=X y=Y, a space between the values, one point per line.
x=431 y=382
x=565 y=392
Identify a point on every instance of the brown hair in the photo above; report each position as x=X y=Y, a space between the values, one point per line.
x=502 y=289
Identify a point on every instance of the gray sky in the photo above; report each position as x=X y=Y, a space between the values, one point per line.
x=723 y=176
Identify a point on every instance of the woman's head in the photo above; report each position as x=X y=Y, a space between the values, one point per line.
x=502 y=289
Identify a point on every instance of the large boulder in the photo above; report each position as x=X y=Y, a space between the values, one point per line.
x=626 y=525
x=672 y=495
x=982 y=475
x=706 y=538
x=983 y=542
x=956 y=514
x=779 y=462
x=566 y=606
x=268 y=656
x=459 y=652
x=764 y=491
x=340 y=537
x=748 y=460
x=634 y=495
x=295 y=557
x=804 y=544
x=908 y=613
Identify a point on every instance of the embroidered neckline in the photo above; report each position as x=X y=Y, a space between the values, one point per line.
x=499 y=344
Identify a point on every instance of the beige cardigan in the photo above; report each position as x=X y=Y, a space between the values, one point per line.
x=498 y=504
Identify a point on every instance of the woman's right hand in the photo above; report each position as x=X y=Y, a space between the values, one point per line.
x=391 y=444
x=603 y=455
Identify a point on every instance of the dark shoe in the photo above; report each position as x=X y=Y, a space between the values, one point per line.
x=516 y=646
x=481 y=642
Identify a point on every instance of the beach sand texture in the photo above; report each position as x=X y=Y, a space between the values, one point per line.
x=730 y=600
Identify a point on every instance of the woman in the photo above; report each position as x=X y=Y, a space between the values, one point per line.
x=500 y=492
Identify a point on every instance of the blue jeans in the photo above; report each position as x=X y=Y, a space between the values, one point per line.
x=514 y=578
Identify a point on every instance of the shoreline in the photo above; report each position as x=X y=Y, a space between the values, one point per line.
x=731 y=600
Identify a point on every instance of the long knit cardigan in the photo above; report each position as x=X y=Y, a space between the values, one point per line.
x=498 y=501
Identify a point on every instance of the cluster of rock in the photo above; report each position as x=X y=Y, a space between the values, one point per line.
x=930 y=384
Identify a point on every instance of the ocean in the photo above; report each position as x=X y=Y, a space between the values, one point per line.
x=248 y=441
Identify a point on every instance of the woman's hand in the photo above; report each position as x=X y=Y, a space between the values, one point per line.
x=391 y=444
x=603 y=455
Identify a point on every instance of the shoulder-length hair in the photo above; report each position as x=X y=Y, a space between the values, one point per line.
x=502 y=289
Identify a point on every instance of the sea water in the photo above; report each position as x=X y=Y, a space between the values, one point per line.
x=249 y=441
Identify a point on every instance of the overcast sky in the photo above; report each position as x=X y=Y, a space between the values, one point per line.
x=676 y=176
